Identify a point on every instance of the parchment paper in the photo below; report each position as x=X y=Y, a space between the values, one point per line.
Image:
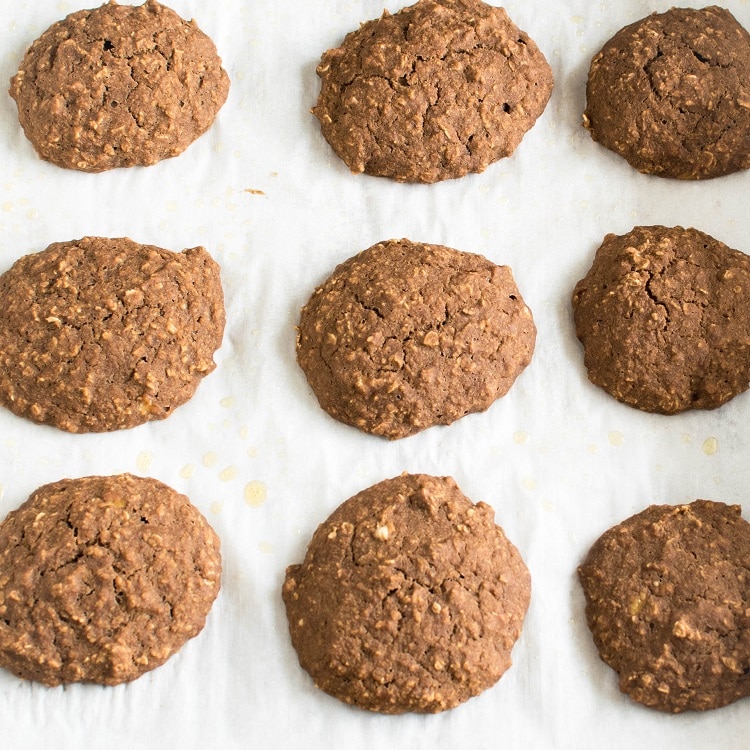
x=558 y=459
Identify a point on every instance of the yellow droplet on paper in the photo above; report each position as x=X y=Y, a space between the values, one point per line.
x=255 y=493
x=520 y=437
x=710 y=446
x=209 y=459
x=616 y=438
x=187 y=471
x=144 y=460
x=228 y=474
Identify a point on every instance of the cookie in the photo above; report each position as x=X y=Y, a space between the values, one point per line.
x=409 y=598
x=664 y=318
x=104 y=334
x=407 y=335
x=438 y=90
x=671 y=94
x=118 y=86
x=103 y=579
x=668 y=603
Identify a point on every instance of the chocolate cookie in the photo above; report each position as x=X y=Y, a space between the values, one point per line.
x=440 y=89
x=118 y=86
x=671 y=94
x=410 y=598
x=103 y=579
x=407 y=335
x=103 y=334
x=664 y=318
x=668 y=603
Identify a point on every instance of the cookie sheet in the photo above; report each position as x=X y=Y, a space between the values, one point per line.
x=559 y=460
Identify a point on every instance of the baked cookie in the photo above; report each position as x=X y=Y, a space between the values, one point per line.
x=407 y=335
x=671 y=94
x=103 y=334
x=440 y=89
x=103 y=579
x=410 y=598
x=118 y=86
x=668 y=603
x=664 y=318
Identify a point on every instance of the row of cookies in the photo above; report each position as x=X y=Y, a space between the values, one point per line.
x=410 y=597
x=438 y=90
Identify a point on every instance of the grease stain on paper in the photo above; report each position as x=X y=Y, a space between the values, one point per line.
x=144 y=460
x=256 y=493
x=710 y=446
x=616 y=438
x=520 y=437
x=209 y=459
x=187 y=471
x=228 y=474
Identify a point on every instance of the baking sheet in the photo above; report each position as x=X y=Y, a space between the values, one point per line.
x=559 y=460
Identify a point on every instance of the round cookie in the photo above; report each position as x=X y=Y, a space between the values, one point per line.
x=664 y=318
x=668 y=603
x=103 y=579
x=104 y=334
x=410 y=598
x=671 y=94
x=440 y=89
x=118 y=86
x=407 y=335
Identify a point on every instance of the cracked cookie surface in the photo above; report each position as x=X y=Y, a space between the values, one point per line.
x=103 y=579
x=664 y=318
x=102 y=334
x=410 y=598
x=668 y=604
x=438 y=90
x=407 y=335
x=671 y=94
x=118 y=86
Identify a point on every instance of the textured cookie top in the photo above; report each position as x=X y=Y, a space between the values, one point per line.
x=407 y=335
x=671 y=94
x=438 y=90
x=118 y=86
x=664 y=318
x=103 y=579
x=410 y=598
x=668 y=603
x=103 y=334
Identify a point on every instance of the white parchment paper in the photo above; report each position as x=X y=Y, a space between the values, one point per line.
x=559 y=460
